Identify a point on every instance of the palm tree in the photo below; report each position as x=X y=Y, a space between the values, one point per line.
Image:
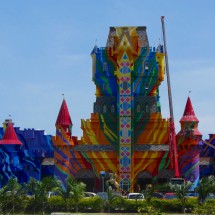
x=111 y=197
x=39 y=190
x=206 y=186
x=180 y=191
x=12 y=195
x=75 y=190
x=148 y=193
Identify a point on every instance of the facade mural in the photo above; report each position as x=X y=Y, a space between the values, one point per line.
x=24 y=154
x=125 y=136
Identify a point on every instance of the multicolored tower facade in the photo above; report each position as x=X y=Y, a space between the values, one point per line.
x=129 y=136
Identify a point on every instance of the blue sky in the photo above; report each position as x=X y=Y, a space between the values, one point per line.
x=45 y=48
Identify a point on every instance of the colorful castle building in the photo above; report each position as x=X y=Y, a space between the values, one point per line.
x=125 y=136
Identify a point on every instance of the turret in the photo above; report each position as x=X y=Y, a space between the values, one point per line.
x=189 y=120
x=10 y=137
x=93 y=55
x=188 y=144
x=63 y=120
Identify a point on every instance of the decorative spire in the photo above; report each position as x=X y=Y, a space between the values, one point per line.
x=64 y=116
x=189 y=114
x=10 y=136
x=95 y=49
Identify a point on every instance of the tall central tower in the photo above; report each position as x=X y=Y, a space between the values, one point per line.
x=126 y=134
x=122 y=44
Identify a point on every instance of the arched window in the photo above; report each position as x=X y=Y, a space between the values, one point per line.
x=138 y=108
x=147 y=108
x=104 y=86
x=154 y=108
x=146 y=66
x=104 y=109
x=112 y=109
x=104 y=66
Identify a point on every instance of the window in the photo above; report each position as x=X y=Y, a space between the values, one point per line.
x=146 y=86
x=104 y=66
x=146 y=66
x=138 y=108
x=104 y=109
x=104 y=86
x=147 y=108
x=112 y=109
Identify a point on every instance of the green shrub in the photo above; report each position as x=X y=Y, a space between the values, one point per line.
x=207 y=209
x=174 y=205
x=56 y=203
x=92 y=204
x=149 y=210
x=116 y=204
x=133 y=205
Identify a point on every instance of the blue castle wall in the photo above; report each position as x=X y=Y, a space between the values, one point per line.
x=27 y=160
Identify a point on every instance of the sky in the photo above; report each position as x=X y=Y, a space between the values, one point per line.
x=45 y=48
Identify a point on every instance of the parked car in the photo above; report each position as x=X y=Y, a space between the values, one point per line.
x=102 y=195
x=192 y=194
x=89 y=194
x=138 y=196
x=211 y=196
x=158 y=195
x=170 y=196
x=51 y=193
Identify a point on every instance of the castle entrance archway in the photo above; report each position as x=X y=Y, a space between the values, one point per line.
x=88 y=177
x=164 y=176
x=143 y=179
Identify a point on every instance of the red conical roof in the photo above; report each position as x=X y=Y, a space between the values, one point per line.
x=10 y=136
x=64 y=116
x=189 y=114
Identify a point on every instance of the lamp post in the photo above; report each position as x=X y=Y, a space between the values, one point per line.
x=102 y=174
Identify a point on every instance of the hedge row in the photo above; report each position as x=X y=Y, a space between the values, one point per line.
x=116 y=205
x=96 y=204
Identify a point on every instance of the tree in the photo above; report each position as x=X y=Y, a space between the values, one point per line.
x=11 y=196
x=113 y=197
x=180 y=191
x=206 y=186
x=39 y=190
x=75 y=191
x=148 y=193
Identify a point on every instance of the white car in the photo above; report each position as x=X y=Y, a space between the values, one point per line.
x=136 y=196
x=51 y=193
x=89 y=194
